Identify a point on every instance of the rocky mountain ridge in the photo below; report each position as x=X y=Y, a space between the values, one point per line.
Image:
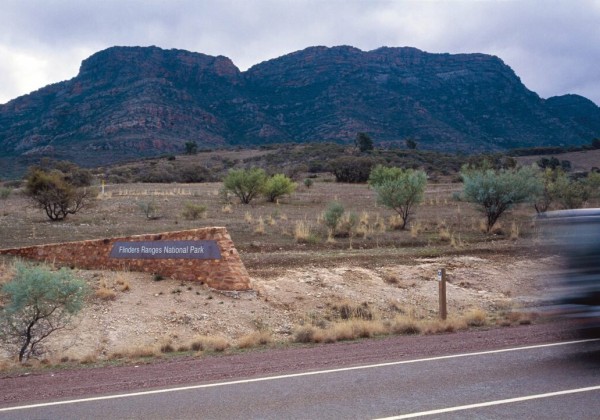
x=132 y=102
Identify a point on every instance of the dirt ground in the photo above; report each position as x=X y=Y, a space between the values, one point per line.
x=389 y=272
x=154 y=313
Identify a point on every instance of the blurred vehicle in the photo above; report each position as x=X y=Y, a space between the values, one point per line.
x=576 y=235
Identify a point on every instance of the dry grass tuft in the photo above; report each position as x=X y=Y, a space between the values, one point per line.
x=227 y=209
x=456 y=242
x=475 y=317
x=515 y=231
x=248 y=217
x=395 y=222
x=339 y=331
x=260 y=226
x=347 y=310
x=443 y=326
x=209 y=343
x=305 y=334
x=104 y=293
x=415 y=229
x=368 y=329
x=167 y=347
x=302 y=233
x=88 y=359
x=123 y=284
x=405 y=325
x=445 y=235
x=482 y=226
x=255 y=339
x=379 y=224
x=142 y=351
x=6 y=273
x=521 y=318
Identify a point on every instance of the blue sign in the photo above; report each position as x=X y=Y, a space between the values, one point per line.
x=203 y=250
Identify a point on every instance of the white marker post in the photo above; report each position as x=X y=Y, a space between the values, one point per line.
x=442 y=287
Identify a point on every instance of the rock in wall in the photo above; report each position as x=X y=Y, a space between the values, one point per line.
x=224 y=272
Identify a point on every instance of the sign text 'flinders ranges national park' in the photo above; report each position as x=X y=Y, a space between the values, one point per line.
x=208 y=250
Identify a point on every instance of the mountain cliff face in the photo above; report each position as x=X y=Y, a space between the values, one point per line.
x=130 y=102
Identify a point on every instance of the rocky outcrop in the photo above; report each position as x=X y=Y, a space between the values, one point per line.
x=132 y=102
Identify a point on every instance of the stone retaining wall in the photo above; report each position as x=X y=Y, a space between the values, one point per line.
x=226 y=273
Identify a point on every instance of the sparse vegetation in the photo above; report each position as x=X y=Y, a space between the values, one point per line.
x=294 y=267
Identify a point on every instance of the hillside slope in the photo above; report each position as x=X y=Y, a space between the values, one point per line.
x=132 y=102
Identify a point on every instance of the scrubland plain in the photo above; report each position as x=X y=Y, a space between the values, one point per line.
x=366 y=280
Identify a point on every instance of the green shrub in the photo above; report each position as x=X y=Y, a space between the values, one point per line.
x=352 y=169
x=39 y=302
x=53 y=193
x=332 y=216
x=150 y=209
x=571 y=193
x=5 y=193
x=363 y=142
x=498 y=190
x=277 y=186
x=193 y=211
x=399 y=189
x=245 y=184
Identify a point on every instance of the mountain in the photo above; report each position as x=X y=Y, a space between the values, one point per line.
x=132 y=102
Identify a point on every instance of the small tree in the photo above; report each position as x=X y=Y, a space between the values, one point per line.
x=547 y=193
x=496 y=191
x=379 y=174
x=191 y=147
x=352 y=169
x=399 y=189
x=150 y=209
x=245 y=184
x=277 y=186
x=363 y=142
x=40 y=302
x=411 y=144
x=575 y=193
x=54 y=194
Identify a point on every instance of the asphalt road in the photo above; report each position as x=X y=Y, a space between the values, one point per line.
x=554 y=380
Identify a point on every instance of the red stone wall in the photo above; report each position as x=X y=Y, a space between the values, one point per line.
x=227 y=273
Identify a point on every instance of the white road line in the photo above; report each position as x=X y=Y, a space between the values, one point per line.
x=292 y=375
x=491 y=403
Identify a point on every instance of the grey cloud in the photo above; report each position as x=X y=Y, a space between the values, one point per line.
x=552 y=45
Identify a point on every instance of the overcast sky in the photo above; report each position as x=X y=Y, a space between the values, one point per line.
x=552 y=45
